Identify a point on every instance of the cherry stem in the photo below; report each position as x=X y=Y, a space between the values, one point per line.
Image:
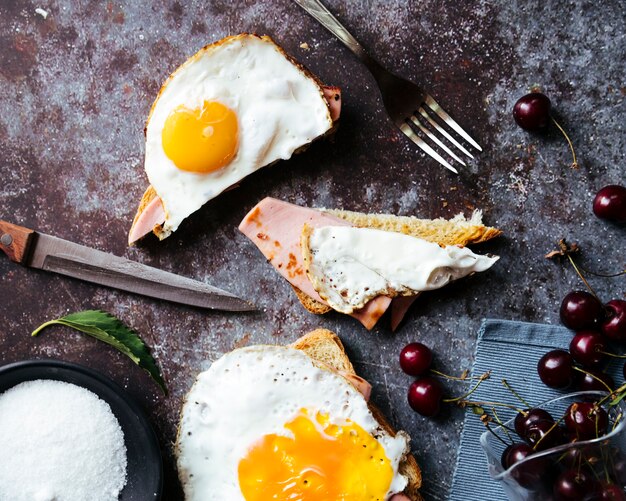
x=603 y=275
x=501 y=424
x=617 y=396
x=486 y=423
x=497 y=404
x=594 y=377
x=515 y=394
x=617 y=420
x=480 y=380
x=463 y=377
x=569 y=142
x=571 y=260
x=614 y=355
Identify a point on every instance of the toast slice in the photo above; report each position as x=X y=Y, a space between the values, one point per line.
x=325 y=346
x=456 y=231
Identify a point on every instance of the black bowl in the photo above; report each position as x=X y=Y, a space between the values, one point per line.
x=144 y=470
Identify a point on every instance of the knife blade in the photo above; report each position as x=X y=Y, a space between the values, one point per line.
x=38 y=250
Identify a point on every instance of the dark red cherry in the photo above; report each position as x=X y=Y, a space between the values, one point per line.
x=544 y=435
x=586 y=420
x=425 y=395
x=530 y=473
x=586 y=348
x=556 y=369
x=415 y=359
x=580 y=311
x=614 y=327
x=610 y=203
x=532 y=111
x=574 y=457
x=504 y=459
x=594 y=380
x=610 y=492
x=528 y=417
x=574 y=485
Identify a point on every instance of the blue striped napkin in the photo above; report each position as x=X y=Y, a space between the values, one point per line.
x=511 y=351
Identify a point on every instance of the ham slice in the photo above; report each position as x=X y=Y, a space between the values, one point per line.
x=275 y=228
x=153 y=214
x=333 y=97
x=399 y=306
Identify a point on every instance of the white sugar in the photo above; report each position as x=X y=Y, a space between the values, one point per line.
x=59 y=442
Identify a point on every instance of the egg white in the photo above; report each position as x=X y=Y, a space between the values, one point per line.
x=349 y=266
x=279 y=108
x=255 y=391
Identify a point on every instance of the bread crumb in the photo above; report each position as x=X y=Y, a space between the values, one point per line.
x=42 y=12
x=305 y=46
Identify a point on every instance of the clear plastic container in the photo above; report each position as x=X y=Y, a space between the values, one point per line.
x=603 y=458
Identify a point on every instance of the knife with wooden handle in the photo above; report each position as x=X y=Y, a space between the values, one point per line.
x=38 y=250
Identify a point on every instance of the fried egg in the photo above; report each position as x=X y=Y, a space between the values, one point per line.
x=350 y=266
x=234 y=107
x=268 y=423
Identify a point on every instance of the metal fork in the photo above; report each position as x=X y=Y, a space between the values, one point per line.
x=413 y=111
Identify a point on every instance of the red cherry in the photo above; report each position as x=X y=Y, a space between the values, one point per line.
x=544 y=435
x=556 y=369
x=425 y=396
x=504 y=459
x=589 y=381
x=580 y=310
x=586 y=348
x=586 y=420
x=532 y=111
x=415 y=359
x=614 y=327
x=532 y=471
x=575 y=485
x=610 y=203
x=610 y=492
x=525 y=419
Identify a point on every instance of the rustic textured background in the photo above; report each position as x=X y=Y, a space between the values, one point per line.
x=75 y=89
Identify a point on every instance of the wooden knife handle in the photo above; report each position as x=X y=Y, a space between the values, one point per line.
x=15 y=241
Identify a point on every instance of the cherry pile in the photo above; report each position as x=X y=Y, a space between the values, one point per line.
x=596 y=326
x=590 y=472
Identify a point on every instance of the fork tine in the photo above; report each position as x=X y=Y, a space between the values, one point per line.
x=448 y=119
x=436 y=140
x=404 y=127
x=444 y=132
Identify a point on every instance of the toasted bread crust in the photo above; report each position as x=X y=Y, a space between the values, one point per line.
x=326 y=347
x=456 y=231
x=311 y=304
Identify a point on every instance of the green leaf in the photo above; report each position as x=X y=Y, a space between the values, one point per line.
x=107 y=328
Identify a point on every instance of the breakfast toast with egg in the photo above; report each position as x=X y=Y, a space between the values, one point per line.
x=326 y=347
x=277 y=229
x=315 y=375
x=234 y=107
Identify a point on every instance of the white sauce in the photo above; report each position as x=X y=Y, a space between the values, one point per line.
x=349 y=266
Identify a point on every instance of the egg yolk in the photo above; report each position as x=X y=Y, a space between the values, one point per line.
x=318 y=460
x=201 y=140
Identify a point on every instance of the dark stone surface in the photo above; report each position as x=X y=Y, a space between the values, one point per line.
x=75 y=89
